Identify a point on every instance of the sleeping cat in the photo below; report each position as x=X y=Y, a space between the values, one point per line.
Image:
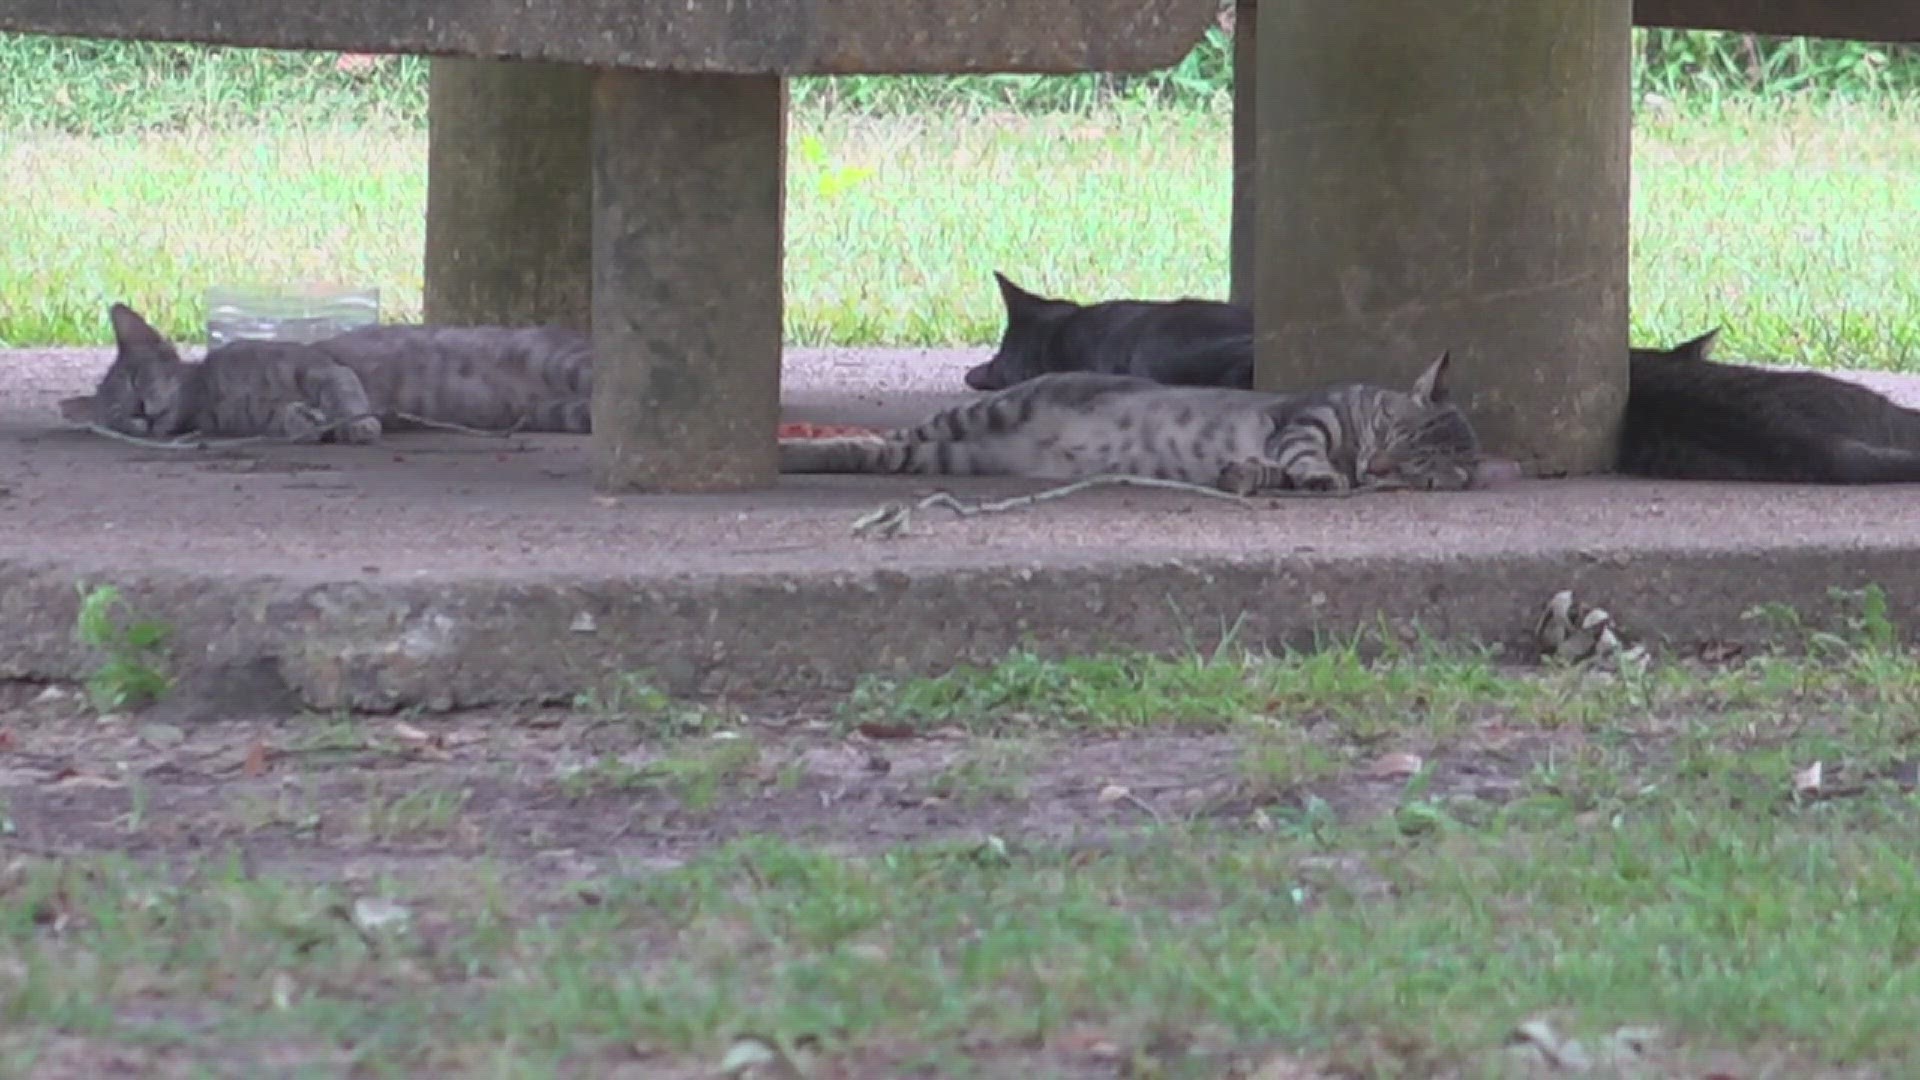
x=1688 y=417
x=1177 y=342
x=344 y=387
x=1069 y=426
x=1693 y=418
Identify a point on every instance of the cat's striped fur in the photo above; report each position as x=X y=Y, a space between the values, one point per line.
x=1080 y=424
x=348 y=386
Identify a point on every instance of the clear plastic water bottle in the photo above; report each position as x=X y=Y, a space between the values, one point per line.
x=303 y=313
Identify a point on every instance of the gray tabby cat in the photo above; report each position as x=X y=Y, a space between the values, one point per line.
x=343 y=388
x=1073 y=425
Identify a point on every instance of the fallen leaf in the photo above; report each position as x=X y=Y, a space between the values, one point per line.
x=1088 y=1040
x=1535 y=1039
x=70 y=778
x=406 y=732
x=1395 y=766
x=748 y=1051
x=1630 y=1042
x=1719 y=652
x=1807 y=781
x=760 y=1058
x=6 y=738
x=162 y=736
x=1285 y=1067
x=255 y=763
x=373 y=913
x=802 y=430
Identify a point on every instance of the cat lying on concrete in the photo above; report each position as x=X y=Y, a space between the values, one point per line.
x=1688 y=417
x=1082 y=424
x=344 y=388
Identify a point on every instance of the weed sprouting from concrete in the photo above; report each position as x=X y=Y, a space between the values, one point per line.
x=635 y=698
x=132 y=672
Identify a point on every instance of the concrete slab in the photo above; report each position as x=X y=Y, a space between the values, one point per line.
x=449 y=571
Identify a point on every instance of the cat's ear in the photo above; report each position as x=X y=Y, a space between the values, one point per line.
x=1431 y=387
x=1696 y=348
x=134 y=334
x=1014 y=297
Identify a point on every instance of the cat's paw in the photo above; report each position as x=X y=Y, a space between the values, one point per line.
x=363 y=429
x=1321 y=481
x=1241 y=478
x=301 y=422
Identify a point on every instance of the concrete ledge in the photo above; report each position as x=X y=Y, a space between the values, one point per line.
x=446 y=572
x=253 y=644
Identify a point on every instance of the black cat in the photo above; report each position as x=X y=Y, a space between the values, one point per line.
x=1693 y=418
x=1688 y=417
x=1177 y=342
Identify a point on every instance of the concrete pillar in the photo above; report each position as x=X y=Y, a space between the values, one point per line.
x=1451 y=176
x=687 y=249
x=1246 y=69
x=509 y=195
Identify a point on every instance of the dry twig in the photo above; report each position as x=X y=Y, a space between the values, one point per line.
x=462 y=429
x=892 y=519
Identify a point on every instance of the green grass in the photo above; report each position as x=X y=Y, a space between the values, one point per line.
x=1201 y=691
x=1795 y=226
x=1654 y=867
x=133 y=652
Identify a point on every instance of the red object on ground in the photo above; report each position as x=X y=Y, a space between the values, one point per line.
x=799 y=430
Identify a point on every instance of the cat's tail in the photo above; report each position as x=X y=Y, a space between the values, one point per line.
x=1853 y=462
x=855 y=455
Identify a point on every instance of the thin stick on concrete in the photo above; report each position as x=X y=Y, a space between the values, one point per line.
x=462 y=429
x=892 y=519
x=190 y=442
x=194 y=442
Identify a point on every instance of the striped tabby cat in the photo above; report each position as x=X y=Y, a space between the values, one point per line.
x=346 y=386
x=1081 y=424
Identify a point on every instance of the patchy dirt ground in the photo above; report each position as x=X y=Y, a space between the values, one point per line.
x=492 y=834
x=588 y=796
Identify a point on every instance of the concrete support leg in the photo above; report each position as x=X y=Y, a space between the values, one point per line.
x=687 y=249
x=1451 y=176
x=1246 y=70
x=509 y=194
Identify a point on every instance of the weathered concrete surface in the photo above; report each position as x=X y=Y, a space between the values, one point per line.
x=688 y=200
x=1451 y=177
x=746 y=37
x=446 y=571
x=509 y=194
x=1246 y=152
